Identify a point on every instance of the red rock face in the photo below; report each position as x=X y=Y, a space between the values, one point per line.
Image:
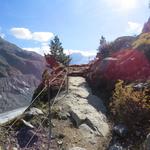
x=146 y=27
x=128 y=65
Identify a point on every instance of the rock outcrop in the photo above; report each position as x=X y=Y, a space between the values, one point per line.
x=146 y=27
x=128 y=65
x=16 y=91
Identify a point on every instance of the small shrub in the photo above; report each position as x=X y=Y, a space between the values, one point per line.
x=131 y=106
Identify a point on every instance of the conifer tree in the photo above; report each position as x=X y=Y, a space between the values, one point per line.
x=57 y=51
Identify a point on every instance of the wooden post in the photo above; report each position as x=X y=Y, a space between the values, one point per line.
x=67 y=77
x=49 y=115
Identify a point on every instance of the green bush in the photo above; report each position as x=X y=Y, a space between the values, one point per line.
x=131 y=106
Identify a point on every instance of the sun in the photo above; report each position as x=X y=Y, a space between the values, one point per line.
x=123 y=5
x=128 y=4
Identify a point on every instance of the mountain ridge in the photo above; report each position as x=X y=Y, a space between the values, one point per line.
x=20 y=74
x=24 y=62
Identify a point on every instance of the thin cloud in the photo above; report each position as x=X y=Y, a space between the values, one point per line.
x=42 y=36
x=45 y=49
x=1 y=33
x=26 y=34
x=134 y=27
x=84 y=53
x=21 y=33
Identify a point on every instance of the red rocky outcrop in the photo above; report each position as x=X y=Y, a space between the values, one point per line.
x=128 y=65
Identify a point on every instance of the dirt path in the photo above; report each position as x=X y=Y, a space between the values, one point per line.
x=84 y=123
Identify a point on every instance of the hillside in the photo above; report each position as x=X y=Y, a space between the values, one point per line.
x=16 y=61
x=20 y=73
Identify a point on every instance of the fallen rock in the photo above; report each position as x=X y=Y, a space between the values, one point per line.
x=116 y=146
x=85 y=127
x=77 y=148
x=84 y=93
x=98 y=124
x=63 y=115
x=120 y=130
x=59 y=142
x=34 y=112
x=27 y=124
x=147 y=142
x=88 y=133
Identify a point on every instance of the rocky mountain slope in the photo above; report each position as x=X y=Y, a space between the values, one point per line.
x=146 y=27
x=15 y=61
x=20 y=73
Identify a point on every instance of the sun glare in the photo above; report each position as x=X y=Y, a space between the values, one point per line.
x=123 y=5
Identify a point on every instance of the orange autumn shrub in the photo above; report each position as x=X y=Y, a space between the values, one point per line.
x=131 y=106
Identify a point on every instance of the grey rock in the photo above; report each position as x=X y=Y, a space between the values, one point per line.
x=140 y=86
x=34 y=111
x=27 y=124
x=16 y=92
x=147 y=142
x=86 y=128
x=63 y=115
x=88 y=133
x=120 y=130
x=116 y=146
x=82 y=110
x=97 y=103
x=59 y=142
x=77 y=148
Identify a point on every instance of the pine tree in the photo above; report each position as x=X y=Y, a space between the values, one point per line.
x=57 y=51
x=102 y=41
x=104 y=47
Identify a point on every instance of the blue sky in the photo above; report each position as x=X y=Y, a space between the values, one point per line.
x=31 y=24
